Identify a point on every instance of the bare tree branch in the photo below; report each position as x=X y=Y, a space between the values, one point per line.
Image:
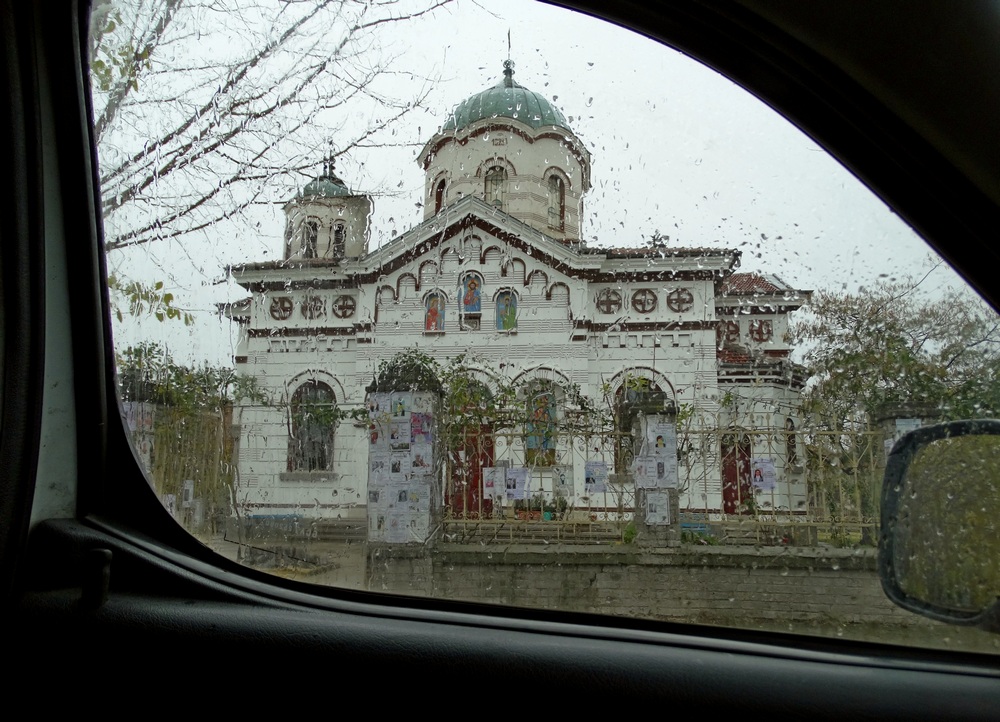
x=187 y=141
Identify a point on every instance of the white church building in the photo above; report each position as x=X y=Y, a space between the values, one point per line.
x=497 y=270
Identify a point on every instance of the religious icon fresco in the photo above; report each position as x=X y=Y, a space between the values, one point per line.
x=506 y=311
x=471 y=294
x=434 y=313
x=541 y=428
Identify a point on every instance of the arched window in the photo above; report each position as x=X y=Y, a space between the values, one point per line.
x=434 y=312
x=791 y=452
x=439 y=195
x=540 y=427
x=557 y=202
x=506 y=311
x=312 y=414
x=339 y=237
x=289 y=232
x=472 y=293
x=638 y=396
x=761 y=330
x=496 y=183
x=310 y=238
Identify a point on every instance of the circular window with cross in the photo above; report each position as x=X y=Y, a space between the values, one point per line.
x=313 y=307
x=680 y=300
x=761 y=331
x=644 y=300
x=281 y=308
x=729 y=332
x=609 y=301
x=344 y=306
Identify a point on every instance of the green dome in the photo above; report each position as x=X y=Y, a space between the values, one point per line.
x=507 y=99
x=327 y=185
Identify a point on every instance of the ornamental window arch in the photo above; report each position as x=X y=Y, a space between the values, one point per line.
x=496 y=174
x=310 y=237
x=471 y=288
x=338 y=239
x=495 y=186
x=637 y=392
x=439 y=193
x=435 y=308
x=506 y=302
x=312 y=425
x=542 y=396
x=791 y=450
x=289 y=235
x=556 y=183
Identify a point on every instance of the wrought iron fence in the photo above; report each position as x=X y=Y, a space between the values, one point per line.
x=823 y=486
x=824 y=489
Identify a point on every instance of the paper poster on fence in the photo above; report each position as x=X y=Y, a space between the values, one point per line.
x=644 y=472
x=422 y=403
x=658 y=508
x=420 y=428
x=493 y=483
x=399 y=435
x=595 y=477
x=516 y=483
x=661 y=438
x=562 y=481
x=655 y=472
x=421 y=459
x=763 y=475
x=401 y=467
x=379 y=422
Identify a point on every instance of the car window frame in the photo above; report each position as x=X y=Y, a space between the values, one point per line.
x=116 y=508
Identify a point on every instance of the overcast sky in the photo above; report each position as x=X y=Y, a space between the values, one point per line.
x=676 y=149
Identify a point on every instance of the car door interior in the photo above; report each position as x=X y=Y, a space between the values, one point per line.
x=109 y=591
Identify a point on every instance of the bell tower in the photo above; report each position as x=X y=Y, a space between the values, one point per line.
x=326 y=221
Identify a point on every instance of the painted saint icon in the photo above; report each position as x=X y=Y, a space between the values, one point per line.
x=506 y=311
x=541 y=429
x=434 y=315
x=471 y=294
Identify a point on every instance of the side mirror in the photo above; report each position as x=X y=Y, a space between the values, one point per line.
x=939 y=550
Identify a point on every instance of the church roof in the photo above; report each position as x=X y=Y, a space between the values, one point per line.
x=749 y=284
x=655 y=251
x=742 y=289
x=506 y=99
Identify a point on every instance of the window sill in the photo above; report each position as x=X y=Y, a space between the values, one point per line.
x=433 y=333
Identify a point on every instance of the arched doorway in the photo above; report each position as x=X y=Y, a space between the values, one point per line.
x=636 y=397
x=470 y=410
x=737 y=488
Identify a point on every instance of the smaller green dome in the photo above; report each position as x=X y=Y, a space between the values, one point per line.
x=326 y=188
x=326 y=185
x=507 y=99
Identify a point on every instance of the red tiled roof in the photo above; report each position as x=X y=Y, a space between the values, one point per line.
x=733 y=356
x=748 y=284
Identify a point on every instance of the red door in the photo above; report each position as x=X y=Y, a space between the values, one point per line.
x=736 y=486
x=464 y=494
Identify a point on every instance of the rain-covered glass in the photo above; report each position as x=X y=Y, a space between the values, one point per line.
x=571 y=318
